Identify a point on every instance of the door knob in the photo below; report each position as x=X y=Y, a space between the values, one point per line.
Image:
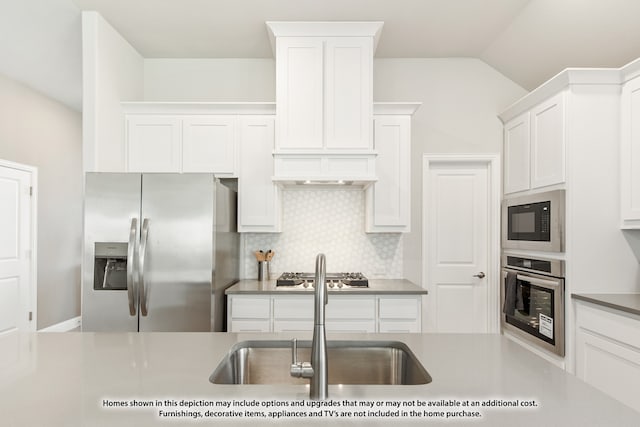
x=479 y=275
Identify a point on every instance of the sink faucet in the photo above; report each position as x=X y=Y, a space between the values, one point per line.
x=318 y=369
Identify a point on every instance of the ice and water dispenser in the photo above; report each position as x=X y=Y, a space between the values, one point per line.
x=110 y=266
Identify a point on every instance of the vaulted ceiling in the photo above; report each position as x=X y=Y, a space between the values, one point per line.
x=528 y=41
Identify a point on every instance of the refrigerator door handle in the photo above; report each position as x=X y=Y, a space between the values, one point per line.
x=141 y=258
x=131 y=279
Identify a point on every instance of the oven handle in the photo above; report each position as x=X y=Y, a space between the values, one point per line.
x=536 y=281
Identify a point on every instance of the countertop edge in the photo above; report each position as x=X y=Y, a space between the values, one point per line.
x=602 y=300
x=377 y=287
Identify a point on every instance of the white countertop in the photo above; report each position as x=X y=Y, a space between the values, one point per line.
x=62 y=379
x=376 y=286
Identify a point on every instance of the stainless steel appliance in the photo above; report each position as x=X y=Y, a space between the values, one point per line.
x=159 y=251
x=534 y=222
x=334 y=280
x=532 y=295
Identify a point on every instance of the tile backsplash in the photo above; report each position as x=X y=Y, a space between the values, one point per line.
x=327 y=220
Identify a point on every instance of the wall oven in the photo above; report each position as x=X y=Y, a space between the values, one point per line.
x=532 y=295
x=534 y=222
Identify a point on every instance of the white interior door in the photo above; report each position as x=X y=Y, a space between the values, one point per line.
x=15 y=250
x=457 y=245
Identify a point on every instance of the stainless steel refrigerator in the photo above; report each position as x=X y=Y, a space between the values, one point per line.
x=159 y=251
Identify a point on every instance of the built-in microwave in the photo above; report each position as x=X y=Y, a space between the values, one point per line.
x=534 y=222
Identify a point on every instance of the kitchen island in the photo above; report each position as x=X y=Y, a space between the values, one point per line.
x=140 y=379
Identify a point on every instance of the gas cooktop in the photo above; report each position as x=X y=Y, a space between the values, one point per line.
x=334 y=280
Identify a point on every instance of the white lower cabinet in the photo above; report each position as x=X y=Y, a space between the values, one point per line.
x=249 y=313
x=293 y=313
x=608 y=352
x=399 y=314
x=344 y=313
x=351 y=313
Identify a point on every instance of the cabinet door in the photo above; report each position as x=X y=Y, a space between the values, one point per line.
x=630 y=153
x=249 y=313
x=209 y=144
x=389 y=198
x=292 y=307
x=350 y=307
x=548 y=143
x=516 y=154
x=258 y=196
x=154 y=143
x=299 y=97
x=400 y=313
x=607 y=352
x=348 y=108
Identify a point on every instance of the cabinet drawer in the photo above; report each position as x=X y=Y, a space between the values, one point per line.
x=399 y=308
x=287 y=307
x=399 y=326
x=250 y=307
x=292 y=325
x=249 y=326
x=610 y=324
x=353 y=326
x=610 y=366
x=347 y=307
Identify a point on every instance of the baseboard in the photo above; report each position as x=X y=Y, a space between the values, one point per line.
x=65 y=326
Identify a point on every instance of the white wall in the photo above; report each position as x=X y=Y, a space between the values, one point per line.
x=38 y=131
x=461 y=98
x=234 y=79
x=112 y=73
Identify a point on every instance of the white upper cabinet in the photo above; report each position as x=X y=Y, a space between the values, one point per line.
x=209 y=144
x=324 y=93
x=630 y=154
x=154 y=144
x=388 y=200
x=187 y=137
x=534 y=147
x=517 y=145
x=299 y=93
x=548 y=142
x=348 y=93
x=181 y=143
x=324 y=100
x=259 y=203
x=324 y=85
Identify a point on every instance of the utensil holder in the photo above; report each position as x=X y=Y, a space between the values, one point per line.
x=264 y=270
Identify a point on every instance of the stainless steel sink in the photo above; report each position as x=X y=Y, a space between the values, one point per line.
x=350 y=362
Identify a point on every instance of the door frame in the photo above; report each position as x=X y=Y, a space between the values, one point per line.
x=33 y=268
x=494 y=191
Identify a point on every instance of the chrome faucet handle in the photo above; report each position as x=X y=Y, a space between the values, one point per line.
x=299 y=369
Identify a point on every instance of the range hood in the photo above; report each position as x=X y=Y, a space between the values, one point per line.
x=325 y=168
x=319 y=182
